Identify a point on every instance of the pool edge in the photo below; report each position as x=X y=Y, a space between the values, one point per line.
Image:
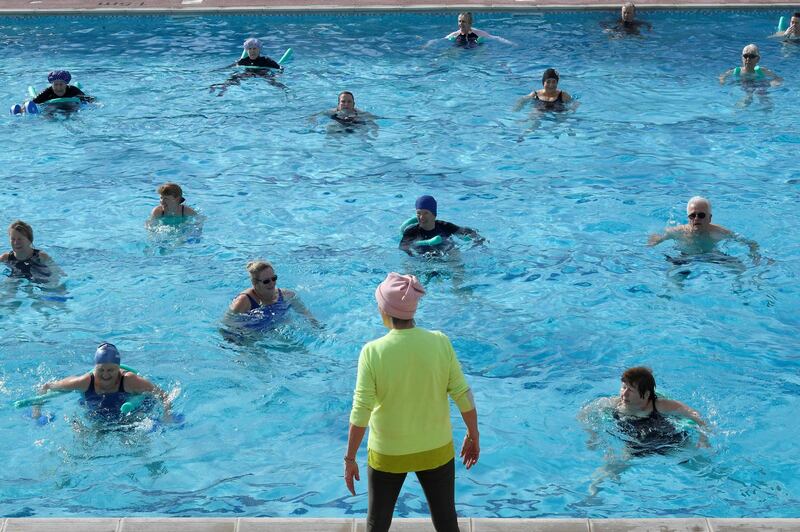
x=268 y=524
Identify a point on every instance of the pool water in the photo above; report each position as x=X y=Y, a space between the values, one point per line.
x=545 y=317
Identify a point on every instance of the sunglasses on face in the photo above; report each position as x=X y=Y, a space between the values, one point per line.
x=750 y=56
x=699 y=215
x=268 y=280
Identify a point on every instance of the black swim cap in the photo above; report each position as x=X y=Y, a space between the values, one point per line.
x=550 y=73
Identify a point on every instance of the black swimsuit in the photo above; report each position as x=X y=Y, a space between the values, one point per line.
x=653 y=434
x=553 y=105
x=468 y=41
x=28 y=268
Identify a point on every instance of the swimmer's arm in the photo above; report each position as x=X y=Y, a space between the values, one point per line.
x=776 y=79
x=522 y=101
x=406 y=243
x=298 y=306
x=472 y=233
x=752 y=246
x=487 y=35
x=676 y=408
x=78 y=382
x=135 y=384
x=452 y=35
x=566 y=97
x=4 y=257
x=655 y=240
x=240 y=305
x=590 y=410
x=724 y=75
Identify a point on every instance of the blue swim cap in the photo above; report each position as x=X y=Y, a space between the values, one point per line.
x=63 y=75
x=106 y=354
x=427 y=203
x=252 y=42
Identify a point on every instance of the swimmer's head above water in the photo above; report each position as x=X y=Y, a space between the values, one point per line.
x=550 y=79
x=21 y=235
x=750 y=57
x=253 y=47
x=426 y=212
x=59 y=79
x=465 y=22
x=628 y=12
x=698 y=212
x=347 y=102
x=638 y=388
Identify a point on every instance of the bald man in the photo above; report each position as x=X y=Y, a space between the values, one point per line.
x=699 y=235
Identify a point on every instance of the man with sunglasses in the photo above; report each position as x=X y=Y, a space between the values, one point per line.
x=699 y=235
x=750 y=71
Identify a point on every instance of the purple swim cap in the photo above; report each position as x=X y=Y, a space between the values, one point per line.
x=427 y=203
x=63 y=75
x=106 y=354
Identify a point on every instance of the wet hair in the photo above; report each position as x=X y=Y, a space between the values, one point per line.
x=347 y=92
x=751 y=48
x=467 y=15
x=642 y=379
x=171 y=189
x=257 y=266
x=550 y=73
x=23 y=228
x=796 y=15
x=630 y=5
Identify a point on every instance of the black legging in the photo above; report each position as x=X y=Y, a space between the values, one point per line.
x=438 y=484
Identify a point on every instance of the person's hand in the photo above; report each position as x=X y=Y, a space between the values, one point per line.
x=351 y=472
x=774 y=83
x=470 y=450
x=702 y=442
x=654 y=240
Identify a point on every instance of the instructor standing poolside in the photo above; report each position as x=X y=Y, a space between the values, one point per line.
x=403 y=382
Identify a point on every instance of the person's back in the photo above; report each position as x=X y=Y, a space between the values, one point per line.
x=412 y=370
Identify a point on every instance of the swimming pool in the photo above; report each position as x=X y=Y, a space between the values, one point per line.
x=544 y=318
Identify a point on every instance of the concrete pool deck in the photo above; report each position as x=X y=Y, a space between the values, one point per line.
x=697 y=524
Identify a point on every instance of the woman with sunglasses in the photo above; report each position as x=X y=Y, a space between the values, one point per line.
x=750 y=71
x=264 y=302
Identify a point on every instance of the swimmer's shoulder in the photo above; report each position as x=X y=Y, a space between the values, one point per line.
x=241 y=303
x=188 y=211
x=44 y=256
x=157 y=212
x=288 y=294
x=4 y=257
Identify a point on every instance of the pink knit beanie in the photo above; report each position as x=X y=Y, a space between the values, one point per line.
x=398 y=295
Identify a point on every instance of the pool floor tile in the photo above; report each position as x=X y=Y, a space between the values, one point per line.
x=649 y=525
x=177 y=524
x=530 y=525
x=290 y=525
x=754 y=525
x=61 y=525
x=414 y=525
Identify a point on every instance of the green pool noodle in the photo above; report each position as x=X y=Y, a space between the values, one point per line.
x=783 y=25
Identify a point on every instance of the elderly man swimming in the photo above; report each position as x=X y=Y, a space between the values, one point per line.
x=699 y=235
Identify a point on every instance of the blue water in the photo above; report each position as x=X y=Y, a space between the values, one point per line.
x=544 y=318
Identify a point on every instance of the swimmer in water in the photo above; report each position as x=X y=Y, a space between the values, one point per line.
x=171 y=205
x=699 y=235
x=549 y=98
x=750 y=71
x=23 y=259
x=108 y=386
x=428 y=227
x=793 y=31
x=627 y=24
x=466 y=36
x=258 y=66
x=640 y=416
x=264 y=301
x=59 y=88
x=346 y=115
